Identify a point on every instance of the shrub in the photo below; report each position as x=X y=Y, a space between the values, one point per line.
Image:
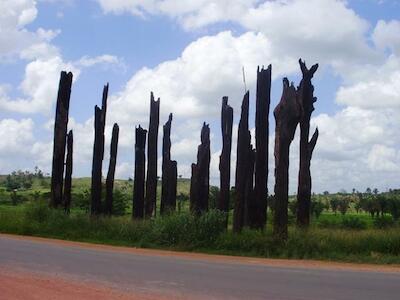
x=353 y=223
x=383 y=222
x=120 y=203
x=394 y=207
x=37 y=211
x=317 y=207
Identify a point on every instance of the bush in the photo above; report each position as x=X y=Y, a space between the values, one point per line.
x=317 y=207
x=120 y=203
x=383 y=222
x=37 y=211
x=353 y=223
x=186 y=229
x=394 y=207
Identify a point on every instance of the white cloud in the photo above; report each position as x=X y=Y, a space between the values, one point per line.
x=14 y=37
x=383 y=158
x=387 y=35
x=15 y=136
x=191 y=14
x=105 y=59
x=39 y=86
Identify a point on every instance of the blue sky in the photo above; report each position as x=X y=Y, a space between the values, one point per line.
x=190 y=54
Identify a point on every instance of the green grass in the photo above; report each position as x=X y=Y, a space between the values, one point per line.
x=206 y=234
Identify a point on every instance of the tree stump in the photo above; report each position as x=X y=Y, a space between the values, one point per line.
x=111 y=169
x=225 y=157
x=243 y=163
x=258 y=215
x=167 y=185
x=68 y=173
x=306 y=99
x=140 y=160
x=287 y=115
x=59 y=141
x=98 y=154
x=151 y=182
x=201 y=182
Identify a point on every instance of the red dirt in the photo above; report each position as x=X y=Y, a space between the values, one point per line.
x=22 y=285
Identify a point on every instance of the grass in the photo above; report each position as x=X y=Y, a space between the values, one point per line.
x=205 y=234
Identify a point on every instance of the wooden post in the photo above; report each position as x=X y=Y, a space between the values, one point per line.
x=306 y=100
x=151 y=182
x=140 y=160
x=225 y=157
x=68 y=173
x=98 y=154
x=242 y=165
x=111 y=169
x=59 y=141
x=287 y=115
x=258 y=217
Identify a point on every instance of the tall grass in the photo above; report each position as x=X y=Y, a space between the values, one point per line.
x=206 y=233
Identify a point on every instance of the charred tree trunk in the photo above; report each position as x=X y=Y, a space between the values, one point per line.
x=98 y=153
x=111 y=170
x=249 y=203
x=140 y=160
x=242 y=166
x=258 y=216
x=287 y=115
x=60 y=133
x=167 y=184
x=306 y=100
x=151 y=182
x=201 y=182
x=193 y=190
x=225 y=158
x=68 y=173
x=173 y=184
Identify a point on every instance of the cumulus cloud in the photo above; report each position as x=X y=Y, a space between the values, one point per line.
x=387 y=35
x=14 y=37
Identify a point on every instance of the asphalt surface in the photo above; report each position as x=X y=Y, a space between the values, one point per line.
x=194 y=278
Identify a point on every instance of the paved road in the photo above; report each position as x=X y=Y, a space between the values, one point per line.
x=195 y=277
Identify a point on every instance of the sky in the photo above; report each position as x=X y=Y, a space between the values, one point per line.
x=190 y=54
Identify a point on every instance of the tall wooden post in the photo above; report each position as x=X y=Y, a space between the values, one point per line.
x=151 y=182
x=111 y=169
x=287 y=115
x=242 y=165
x=68 y=173
x=225 y=157
x=98 y=154
x=59 y=141
x=140 y=160
x=306 y=100
x=263 y=99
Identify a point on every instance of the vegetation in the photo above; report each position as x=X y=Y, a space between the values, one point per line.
x=183 y=231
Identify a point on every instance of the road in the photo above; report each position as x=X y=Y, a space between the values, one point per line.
x=193 y=277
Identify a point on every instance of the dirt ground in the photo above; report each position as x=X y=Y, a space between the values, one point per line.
x=22 y=285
